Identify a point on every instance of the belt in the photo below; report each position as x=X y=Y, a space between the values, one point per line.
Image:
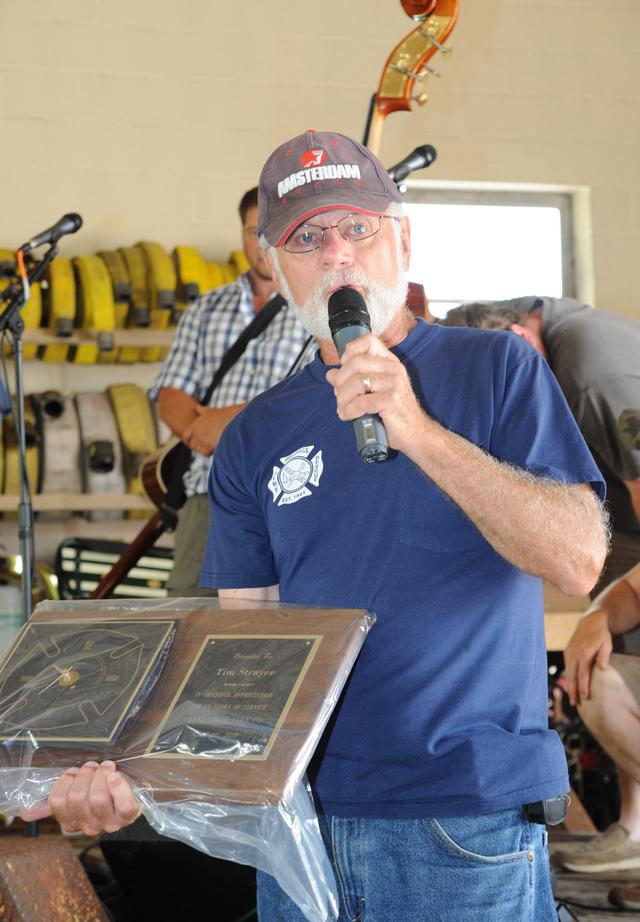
x=137 y=433
x=101 y=455
x=550 y=811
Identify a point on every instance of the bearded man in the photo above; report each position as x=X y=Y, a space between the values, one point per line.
x=434 y=776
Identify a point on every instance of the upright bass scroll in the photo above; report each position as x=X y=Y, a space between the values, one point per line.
x=418 y=9
x=407 y=63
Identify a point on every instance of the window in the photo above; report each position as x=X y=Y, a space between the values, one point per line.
x=484 y=244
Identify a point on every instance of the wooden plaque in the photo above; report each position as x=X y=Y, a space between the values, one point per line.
x=222 y=704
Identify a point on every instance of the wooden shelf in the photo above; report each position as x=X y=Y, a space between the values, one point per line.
x=79 y=502
x=49 y=533
x=141 y=338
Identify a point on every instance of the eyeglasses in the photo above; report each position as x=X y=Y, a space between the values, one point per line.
x=352 y=228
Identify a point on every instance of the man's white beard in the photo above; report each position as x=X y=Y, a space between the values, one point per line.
x=382 y=303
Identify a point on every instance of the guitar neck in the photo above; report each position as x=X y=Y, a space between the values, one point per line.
x=127 y=561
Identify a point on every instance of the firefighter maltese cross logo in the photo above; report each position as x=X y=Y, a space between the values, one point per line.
x=288 y=483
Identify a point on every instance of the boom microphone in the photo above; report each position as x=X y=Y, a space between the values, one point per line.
x=68 y=224
x=418 y=159
x=349 y=319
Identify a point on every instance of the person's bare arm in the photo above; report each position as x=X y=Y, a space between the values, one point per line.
x=544 y=528
x=176 y=409
x=198 y=427
x=257 y=594
x=614 y=611
x=620 y=601
x=548 y=529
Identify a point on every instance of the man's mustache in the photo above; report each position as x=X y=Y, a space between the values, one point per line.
x=339 y=279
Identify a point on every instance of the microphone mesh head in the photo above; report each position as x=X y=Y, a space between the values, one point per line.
x=347 y=308
x=74 y=221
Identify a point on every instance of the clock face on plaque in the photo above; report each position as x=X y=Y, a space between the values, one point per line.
x=78 y=681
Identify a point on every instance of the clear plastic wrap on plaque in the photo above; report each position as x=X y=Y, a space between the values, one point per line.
x=211 y=709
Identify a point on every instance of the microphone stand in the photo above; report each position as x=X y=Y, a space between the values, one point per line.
x=11 y=321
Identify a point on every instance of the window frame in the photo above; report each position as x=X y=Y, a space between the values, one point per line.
x=522 y=195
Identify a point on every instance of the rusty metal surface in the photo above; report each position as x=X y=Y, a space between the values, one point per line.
x=42 y=880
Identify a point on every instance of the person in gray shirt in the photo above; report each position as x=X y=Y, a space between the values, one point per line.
x=595 y=356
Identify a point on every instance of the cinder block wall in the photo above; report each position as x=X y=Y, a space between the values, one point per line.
x=151 y=117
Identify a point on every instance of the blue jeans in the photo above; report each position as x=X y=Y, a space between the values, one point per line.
x=488 y=868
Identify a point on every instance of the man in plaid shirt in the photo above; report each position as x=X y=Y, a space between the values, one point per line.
x=207 y=330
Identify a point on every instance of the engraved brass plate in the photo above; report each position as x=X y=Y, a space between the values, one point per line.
x=235 y=697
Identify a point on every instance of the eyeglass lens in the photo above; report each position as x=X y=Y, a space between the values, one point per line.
x=352 y=227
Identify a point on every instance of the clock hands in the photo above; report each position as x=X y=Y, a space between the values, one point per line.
x=68 y=677
x=57 y=679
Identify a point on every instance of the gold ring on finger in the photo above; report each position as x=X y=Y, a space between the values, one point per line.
x=366 y=383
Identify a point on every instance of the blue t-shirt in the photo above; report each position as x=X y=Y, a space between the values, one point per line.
x=445 y=712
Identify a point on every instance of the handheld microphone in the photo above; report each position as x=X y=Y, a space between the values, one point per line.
x=349 y=319
x=68 y=224
x=418 y=159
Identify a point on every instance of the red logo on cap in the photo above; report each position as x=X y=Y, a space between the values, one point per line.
x=313 y=157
